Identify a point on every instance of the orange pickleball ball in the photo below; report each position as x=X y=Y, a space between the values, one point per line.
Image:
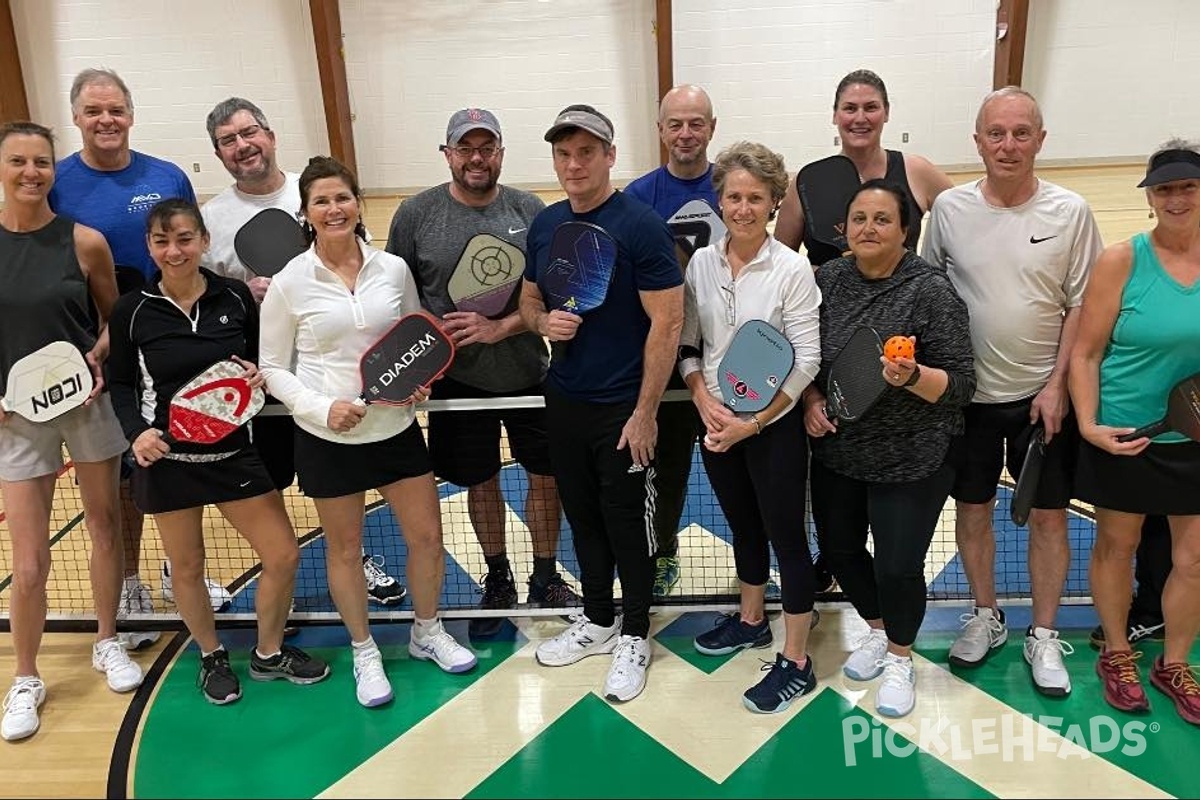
x=899 y=347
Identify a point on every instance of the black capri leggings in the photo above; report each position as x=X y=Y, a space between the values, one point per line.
x=760 y=486
x=902 y=518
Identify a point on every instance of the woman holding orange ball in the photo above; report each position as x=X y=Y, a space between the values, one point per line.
x=889 y=471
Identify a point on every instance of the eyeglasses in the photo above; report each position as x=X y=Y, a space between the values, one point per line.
x=730 y=304
x=229 y=140
x=487 y=152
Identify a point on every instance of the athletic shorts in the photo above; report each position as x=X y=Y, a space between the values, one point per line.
x=997 y=435
x=465 y=445
x=1162 y=479
x=33 y=449
x=335 y=469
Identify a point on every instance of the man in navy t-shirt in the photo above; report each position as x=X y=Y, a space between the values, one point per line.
x=685 y=126
x=109 y=187
x=602 y=394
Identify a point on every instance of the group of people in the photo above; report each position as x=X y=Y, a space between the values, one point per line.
x=1020 y=322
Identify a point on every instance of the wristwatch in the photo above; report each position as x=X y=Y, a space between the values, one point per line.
x=916 y=376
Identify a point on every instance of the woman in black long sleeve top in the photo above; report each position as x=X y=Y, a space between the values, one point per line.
x=183 y=321
x=890 y=471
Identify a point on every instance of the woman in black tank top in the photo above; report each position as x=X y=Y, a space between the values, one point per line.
x=51 y=270
x=860 y=111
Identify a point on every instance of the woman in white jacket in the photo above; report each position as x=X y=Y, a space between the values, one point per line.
x=321 y=312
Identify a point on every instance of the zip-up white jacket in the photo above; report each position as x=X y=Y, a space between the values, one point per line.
x=314 y=330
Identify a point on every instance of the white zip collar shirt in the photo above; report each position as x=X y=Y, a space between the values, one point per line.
x=315 y=330
x=777 y=286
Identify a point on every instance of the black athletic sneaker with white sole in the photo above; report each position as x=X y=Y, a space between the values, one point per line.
x=291 y=664
x=216 y=680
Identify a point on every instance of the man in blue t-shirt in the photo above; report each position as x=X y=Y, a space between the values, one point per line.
x=109 y=187
x=606 y=377
x=685 y=126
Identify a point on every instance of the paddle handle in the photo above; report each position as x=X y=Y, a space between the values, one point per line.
x=1149 y=431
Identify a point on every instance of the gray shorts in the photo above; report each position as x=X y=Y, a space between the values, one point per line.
x=32 y=449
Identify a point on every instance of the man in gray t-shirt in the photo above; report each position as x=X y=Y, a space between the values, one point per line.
x=496 y=357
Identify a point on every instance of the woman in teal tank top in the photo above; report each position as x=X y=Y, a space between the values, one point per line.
x=1139 y=334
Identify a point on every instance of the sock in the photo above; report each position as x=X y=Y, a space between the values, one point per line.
x=498 y=562
x=220 y=647
x=261 y=657
x=543 y=569
x=424 y=628
x=364 y=646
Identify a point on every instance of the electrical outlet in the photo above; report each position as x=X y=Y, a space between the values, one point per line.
x=196 y=165
x=904 y=137
x=837 y=140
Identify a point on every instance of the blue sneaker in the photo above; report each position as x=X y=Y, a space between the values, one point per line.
x=784 y=682
x=666 y=575
x=731 y=635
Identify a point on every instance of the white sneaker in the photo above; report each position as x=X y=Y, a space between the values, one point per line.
x=21 y=708
x=898 y=690
x=627 y=675
x=1044 y=653
x=135 y=599
x=865 y=663
x=218 y=596
x=580 y=640
x=440 y=648
x=983 y=632
x=371 y=684
x=110 y=658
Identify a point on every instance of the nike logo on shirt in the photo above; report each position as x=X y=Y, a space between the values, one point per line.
x=512 y=231
x=1035 y=240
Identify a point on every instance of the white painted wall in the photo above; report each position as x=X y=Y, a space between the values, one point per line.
x=1115 y=77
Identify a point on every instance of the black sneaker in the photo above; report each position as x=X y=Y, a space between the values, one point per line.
x=499 y=591
x=1139 y=629
x=554 y=593
x=290 y=663
x=381 y=587
x=731 y=635
x=784 y=682
x=216 y=680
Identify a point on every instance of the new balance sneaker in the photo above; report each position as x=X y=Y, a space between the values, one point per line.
x=21 y=706
x=983 y=632
x=580 y=640
x=109 y=657
x=371 y=685
x=554 y=593
x=1121 y=680
x=731 y=634
x=1139 y=628
x=666 y=575
x=135 y=599
x=898 y=688
x=381 y=587
x=290 y=663
x=499 y=591
x=784 y=682
x=216 y=679
x=866 y=662
x=627 y=675
x=218 y=596
x=1178 y=682
x=439 y=647
x=1044 y=653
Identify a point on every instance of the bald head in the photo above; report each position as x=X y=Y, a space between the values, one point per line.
x=686 y=125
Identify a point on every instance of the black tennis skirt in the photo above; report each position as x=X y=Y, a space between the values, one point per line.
x=1162 y=479
x=171 y=485
x=334 y=469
